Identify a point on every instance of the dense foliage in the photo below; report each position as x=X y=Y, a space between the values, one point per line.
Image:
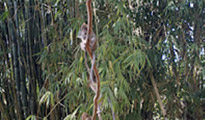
x=150 y=55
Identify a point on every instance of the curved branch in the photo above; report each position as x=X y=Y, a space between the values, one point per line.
x=89 y=31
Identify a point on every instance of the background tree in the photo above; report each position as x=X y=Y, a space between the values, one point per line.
x=150 y=57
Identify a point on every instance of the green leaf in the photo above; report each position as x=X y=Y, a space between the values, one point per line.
x=72 y=116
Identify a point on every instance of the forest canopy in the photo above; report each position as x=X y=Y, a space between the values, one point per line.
x=150 y=57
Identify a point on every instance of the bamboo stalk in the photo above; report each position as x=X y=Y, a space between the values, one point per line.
x=157 y=95
x=13 y=37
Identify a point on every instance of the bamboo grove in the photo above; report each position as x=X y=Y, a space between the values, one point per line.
x=151 y=59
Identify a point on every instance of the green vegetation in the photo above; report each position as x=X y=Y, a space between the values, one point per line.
x=150 y=56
